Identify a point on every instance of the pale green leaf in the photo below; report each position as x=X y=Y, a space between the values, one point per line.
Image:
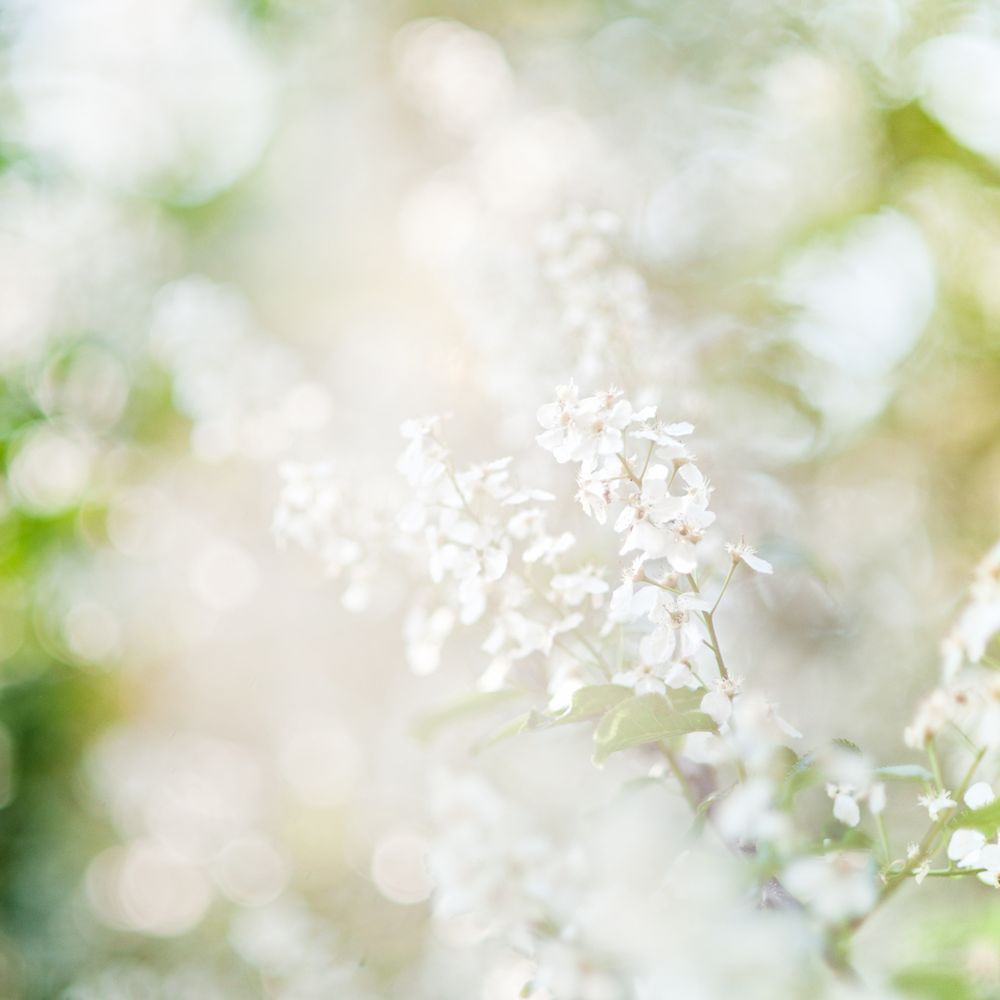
x=590 y=702
x=904 y=772
x=476 y=703
x=646 y=718
x=524 y=723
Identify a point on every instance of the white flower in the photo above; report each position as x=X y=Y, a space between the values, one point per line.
x=845 y=804
x=717 y=705
x=684 y=534
x=584 y=430
x=989 y=860
x=653 y=505
x=705 y=748
x=934 y=713
x=527 y=496
x=560 y=436
x=921 y=871
x=547 y=548
x=850 y=783
x=936 y=804
x=835 y=887
x=748 y=813
x=629 y=604
x=676 y=634
x=664 y=437
x=968 y=849
x=521 y=636
x=424 y=459
x=594 y=496
x=601 y=420
x=980 y=794
x=651 y=678
x=979 y=622
x=424 y=634
x=964 y=847
x=876 y=798
x=309 y=496
x=575 y=588
x=743 y=553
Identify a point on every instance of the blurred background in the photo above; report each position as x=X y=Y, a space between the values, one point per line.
x=238 y=233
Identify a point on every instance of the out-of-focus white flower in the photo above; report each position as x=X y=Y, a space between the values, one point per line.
x=174 y=97
x=845 y=805
x=575 y=588
x=749 y=814
x=308 y=499
x=978 y=795
x=959 y=81
x=423 y=460
x=877 y=798
x=989 y=860
x=835 y=887
x=979 y=621
x=969 y=849
x=935 y=711
x=851 y=782
x=964 y=847
x=424 y=635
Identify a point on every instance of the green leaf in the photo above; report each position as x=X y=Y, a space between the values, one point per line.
x=591 y=702
x=801 y=775
x=523 y=723
x=646 y=718
x=904 y=772
x=684 y=699
x=934 y=984
x=986 y=819
x=477 y=703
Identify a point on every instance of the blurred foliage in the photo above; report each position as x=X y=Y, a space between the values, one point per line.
x=50 y=712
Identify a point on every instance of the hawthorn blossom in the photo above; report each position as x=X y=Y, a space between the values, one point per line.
x=676 y=633
x=746 y=554
x=584 y=430
x=718 y=701
x=628 y=603
x=655 y=678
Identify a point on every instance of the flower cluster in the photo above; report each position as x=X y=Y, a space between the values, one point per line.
x=968 y=696
x=313 y=513
x=642 y=661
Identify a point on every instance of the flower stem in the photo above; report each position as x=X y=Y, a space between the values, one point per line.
x=708 y=618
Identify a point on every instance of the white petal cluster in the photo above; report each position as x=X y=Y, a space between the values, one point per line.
x=968 y=696
x=969 y=848
x=313 y=513
x=851 y=783
x=836 y=887
x=487 y=547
